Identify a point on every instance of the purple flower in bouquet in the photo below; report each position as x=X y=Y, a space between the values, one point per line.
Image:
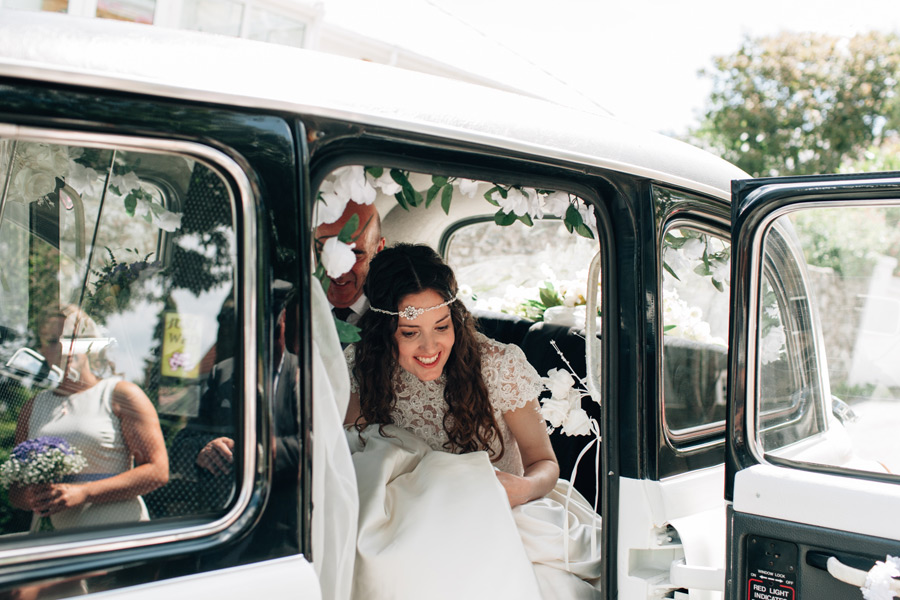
x=41 y=460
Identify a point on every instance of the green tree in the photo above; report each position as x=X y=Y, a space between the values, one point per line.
x=802 y=103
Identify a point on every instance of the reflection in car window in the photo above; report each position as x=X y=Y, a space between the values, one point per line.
x=696 y=274
x=110 y=260
x=523 y=270
x=847 y=268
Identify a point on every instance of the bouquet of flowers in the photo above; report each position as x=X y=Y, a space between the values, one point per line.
x=41 y=460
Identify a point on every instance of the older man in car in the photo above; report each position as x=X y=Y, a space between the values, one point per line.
x=345 y=293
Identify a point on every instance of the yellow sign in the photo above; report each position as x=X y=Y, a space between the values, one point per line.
x=182 y=342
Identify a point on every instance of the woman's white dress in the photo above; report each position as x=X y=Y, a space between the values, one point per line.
x=86 y=420
x=413 y=492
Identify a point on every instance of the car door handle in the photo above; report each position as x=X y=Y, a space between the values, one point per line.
x=851 y=575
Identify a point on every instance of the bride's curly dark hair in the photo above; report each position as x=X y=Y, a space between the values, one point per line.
x=395 y=273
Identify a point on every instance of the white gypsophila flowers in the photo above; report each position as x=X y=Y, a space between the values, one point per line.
x=47 y=467
x=337 y=257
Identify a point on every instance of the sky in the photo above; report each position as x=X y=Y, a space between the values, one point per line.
x=638 y=59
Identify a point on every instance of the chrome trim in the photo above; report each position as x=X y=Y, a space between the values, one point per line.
x=593 y=349
x=702 y=433
x=246 y=254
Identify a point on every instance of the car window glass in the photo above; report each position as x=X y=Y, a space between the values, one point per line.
x=829 y=333
x=695 y=304
x=117 y=273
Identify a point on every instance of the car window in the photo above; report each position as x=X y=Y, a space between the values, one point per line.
x=829 y=333
x=117 y=310
x=695 y=307
x=521 y=270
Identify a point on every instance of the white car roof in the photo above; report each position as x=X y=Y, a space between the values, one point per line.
x=105 y=54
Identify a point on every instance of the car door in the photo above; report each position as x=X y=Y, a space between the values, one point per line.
x=811 y=468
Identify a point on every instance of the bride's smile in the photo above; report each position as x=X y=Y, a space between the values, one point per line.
x=424 y=342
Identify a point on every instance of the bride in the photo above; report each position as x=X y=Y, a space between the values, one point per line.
x=457 y=463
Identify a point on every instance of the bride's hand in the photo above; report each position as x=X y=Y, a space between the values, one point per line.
x=52 y=498
x=518 y=489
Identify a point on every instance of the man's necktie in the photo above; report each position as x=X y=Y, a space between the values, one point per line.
x=342 y=313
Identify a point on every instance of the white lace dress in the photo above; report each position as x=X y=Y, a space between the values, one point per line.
x=420 y=407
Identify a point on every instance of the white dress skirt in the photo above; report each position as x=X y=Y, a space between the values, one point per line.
x=438 y=525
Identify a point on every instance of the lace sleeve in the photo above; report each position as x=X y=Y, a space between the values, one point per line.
x=511 y=380
x=350 y=357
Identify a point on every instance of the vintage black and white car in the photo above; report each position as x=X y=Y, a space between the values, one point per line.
x=159 y=191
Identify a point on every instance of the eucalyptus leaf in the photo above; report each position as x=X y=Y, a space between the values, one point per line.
x=349 y=228
x=489 y=195
x=526 y=218
x=584 y=231
x=401 y=200
x=446 y=197
x=671 y=271
x=504 y=219
x=669 y=328
x=130 y=204
x=430 y=195
x=375 y=172
x=346 y=332
x=439 y=180
x=549 y=297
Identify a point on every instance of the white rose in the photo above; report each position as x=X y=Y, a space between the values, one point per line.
x=558 y=382
x=337 y=257
x=330 y=206
x=587 y=215
x=515 y=202
x=535 y=207
x=386 y=183
x=556 y=204
x=467 y=187
x=577 y=423
x=554 y=411
x=722 y=272
x=125 y=183
x=168 y=220
x=34 y=185
x=351 y=183
x=84 y=180
x=772 y=345
x=693 y=249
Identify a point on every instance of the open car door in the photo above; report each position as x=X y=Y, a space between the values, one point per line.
x=813 y=462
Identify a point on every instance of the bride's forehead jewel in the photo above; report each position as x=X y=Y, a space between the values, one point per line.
x=411 y=312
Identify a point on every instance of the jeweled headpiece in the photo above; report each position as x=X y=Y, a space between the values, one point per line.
x=411 y=312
